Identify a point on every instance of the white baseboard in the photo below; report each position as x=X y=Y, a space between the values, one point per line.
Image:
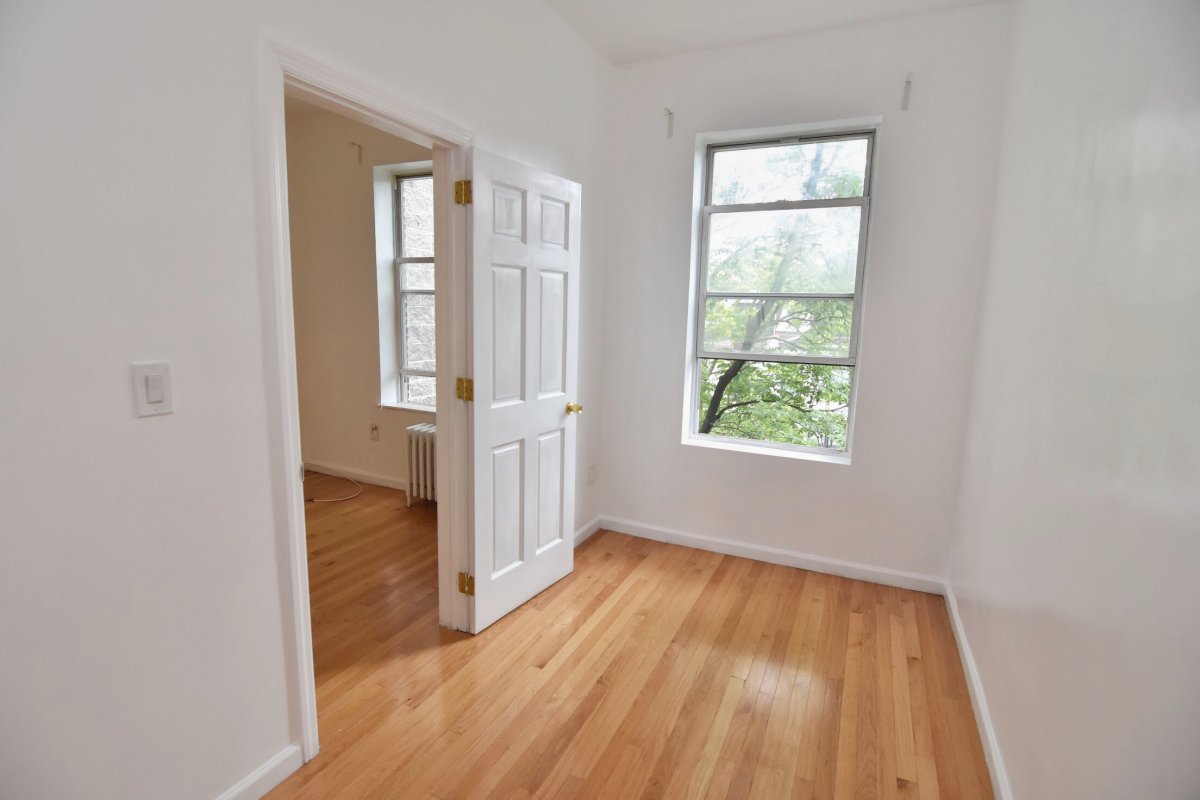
x=357 y=475
x=267 y=776
x=983 y=718
x=587 y=530
x=776 y=555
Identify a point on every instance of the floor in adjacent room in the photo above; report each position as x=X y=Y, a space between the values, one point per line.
x=652 y=671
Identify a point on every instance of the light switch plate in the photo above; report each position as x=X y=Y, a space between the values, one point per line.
x=151 y=388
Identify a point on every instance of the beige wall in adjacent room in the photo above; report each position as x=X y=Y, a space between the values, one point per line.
x=332 y=219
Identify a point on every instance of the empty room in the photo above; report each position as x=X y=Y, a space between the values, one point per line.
x=600 y=399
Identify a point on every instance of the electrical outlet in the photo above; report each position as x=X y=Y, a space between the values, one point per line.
x=374 y=432
x=593 y=471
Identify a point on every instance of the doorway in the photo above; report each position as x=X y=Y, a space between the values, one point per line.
x=361 y=234
x=327 y=89
x=507 y=277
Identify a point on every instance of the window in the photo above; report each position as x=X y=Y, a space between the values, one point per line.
x=783 y=234
x=413 y=205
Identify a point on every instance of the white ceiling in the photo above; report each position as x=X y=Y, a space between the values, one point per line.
x=632 y=30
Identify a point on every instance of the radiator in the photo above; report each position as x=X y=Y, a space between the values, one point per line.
x=422 y=462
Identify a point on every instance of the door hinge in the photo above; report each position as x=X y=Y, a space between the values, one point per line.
x=464 y=389
x=462 y=192
x=466 y=584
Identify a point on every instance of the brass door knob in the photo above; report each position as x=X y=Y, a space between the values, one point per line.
x=574 y=408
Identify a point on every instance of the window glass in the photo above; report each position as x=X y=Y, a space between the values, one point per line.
x=420 y=389
x=779 y=291
x=784 y=326
x=798 y=250
x=417 y=275
x=416 y=217
x=799 y=404
x=418 y=326
x=819 y=170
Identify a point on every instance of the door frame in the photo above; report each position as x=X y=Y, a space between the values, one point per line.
x=321 y=84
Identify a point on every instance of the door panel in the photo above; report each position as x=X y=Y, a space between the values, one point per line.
x=507 y=499
x=508 y=332
x=525 y=229
x=550 y=489
x=552 y=342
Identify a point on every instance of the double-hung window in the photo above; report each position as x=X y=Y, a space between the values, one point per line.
x=414 y=290
x=783 y=236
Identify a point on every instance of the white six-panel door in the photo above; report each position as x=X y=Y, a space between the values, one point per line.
x=525 y=300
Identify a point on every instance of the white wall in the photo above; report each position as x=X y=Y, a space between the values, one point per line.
x=143 y=637
x=932 y=210
x=331 y=205
x=1079 y=533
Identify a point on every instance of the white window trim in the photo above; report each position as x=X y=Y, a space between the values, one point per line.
x=387 y=279
x=696 y=293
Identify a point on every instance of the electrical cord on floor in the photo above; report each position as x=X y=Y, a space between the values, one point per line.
x=336 y=499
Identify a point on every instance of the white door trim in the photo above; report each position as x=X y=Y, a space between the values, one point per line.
x=324 y=85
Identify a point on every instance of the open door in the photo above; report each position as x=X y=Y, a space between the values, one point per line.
x=525 y=303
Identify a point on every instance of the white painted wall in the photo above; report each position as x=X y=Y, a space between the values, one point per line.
x=1079 y=532
x=331 y=206
x=143 y=638
x=932 y=211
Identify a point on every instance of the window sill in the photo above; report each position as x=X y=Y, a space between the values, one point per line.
x=409 y=407
x=779 y=451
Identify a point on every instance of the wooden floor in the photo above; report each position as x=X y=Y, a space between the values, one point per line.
x=652 y=671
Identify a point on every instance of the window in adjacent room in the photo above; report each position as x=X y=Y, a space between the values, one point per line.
x=414 y=288
x=782 y=245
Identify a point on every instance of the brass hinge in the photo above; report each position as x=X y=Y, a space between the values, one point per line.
x=464 y=389
x=466 y=584
x=462 y=193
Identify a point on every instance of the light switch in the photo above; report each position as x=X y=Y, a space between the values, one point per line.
x=151 y=388
x=154 y=389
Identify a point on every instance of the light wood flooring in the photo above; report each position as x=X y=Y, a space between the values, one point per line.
x=652 y=671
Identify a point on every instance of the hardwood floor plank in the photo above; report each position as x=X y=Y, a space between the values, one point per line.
x=885 y=731
x=847 y=752
x=902 y=718
x=652 y=671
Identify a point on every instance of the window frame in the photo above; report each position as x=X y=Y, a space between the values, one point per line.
x=707 y=146
x=400 y=293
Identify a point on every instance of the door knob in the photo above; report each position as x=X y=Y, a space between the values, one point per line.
x=574 y=408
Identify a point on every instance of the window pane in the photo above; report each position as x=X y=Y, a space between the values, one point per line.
x=801 y=404
x=418 y=325
x=416 y=217
x=802 y=250
x=416 y=276
x=807 y=171
x=771 y=325
x=419 y=389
